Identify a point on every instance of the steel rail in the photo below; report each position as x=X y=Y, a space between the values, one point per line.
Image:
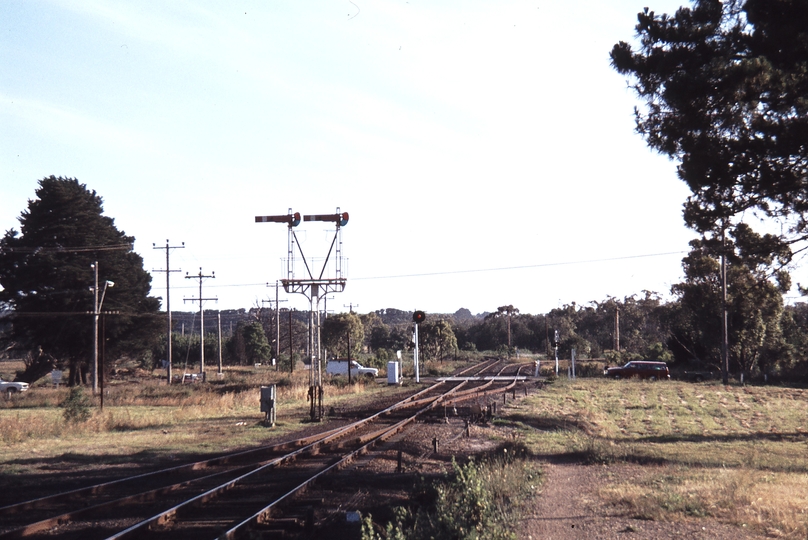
x=417 y=402
x=106 y=486
x=345 y=460
x=145 y=496
x=151 y=495
x=166 y=515
x=209 y=495
x=308 y=445
x=476 y=393
x=219 y=460
x=476 y=389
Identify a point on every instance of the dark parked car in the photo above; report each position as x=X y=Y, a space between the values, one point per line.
x=699 y=375
x=639 y=368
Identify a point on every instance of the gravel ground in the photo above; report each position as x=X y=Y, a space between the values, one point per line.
x=569 y=508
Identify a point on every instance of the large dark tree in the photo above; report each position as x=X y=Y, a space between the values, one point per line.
x=724 y=85
x=47 y=277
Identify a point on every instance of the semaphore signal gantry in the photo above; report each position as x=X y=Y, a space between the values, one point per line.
x=314 y=287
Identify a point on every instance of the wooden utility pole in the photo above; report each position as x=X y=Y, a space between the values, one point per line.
x=277 y=341
x=349 y=355
x=168 y=271
x=219 y=316
x=97 y=303
x=724 y=333
x=201 y=277
x=291 y=356
x=617 y=329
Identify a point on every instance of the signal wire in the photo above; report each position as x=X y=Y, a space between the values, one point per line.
x=473 y=271
x=503 y=268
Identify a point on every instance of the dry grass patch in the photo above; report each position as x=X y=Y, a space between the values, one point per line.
x=738 y=454
x=773 y=503
x=154 y=421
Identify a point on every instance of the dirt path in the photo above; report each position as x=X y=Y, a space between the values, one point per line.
x=570 y=508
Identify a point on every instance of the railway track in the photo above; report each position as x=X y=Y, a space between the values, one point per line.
x=253 y=493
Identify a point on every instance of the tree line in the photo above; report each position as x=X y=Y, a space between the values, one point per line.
x=45 y=271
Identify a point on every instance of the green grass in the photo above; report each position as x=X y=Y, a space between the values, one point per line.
x=739 y=454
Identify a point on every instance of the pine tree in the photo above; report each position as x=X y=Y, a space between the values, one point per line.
x=47 y=277
x=724 y=86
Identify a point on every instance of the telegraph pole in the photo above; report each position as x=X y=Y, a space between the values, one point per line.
x=724 y=332
x=325 y=306
x=201 y=277
x=617 y=329
x=219 y=317
x=291 y=355
x=168 y=271
x=95 y=329
x=97 y=303
x=277 y=358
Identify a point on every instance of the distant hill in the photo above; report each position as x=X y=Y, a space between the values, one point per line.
x=464 y=315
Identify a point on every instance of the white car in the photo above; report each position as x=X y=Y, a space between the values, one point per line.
x=8 y=388
x=340 y=367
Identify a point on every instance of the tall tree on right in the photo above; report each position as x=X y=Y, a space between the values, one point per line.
x=725 y=90
x=754 y=297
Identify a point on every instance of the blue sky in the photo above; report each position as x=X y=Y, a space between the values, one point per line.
x=485 y=150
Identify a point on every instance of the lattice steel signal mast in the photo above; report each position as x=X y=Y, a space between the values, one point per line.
x=314 y=288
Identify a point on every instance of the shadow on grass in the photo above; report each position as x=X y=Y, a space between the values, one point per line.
x=72 y=459
x=725 y=438
x=547 y=423
x=591 y=448
x=29 y=478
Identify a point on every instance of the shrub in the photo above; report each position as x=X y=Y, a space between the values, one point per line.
x=479 y=500
x=76 y=406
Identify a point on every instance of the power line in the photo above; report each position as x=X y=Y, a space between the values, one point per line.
x=63 y=249
x=500 y=269
x=478 y=270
